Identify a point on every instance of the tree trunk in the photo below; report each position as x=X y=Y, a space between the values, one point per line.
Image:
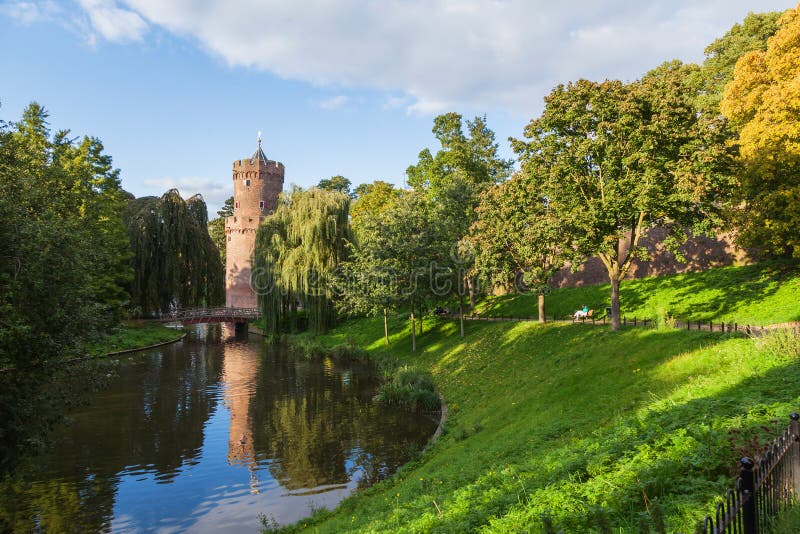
x=615 y=320
x=541 y=308
x=461 y=313
x=385 y=327
x=413 y=330
x=421 y=317
x=471 y=287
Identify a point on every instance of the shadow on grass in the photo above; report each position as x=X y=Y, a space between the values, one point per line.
x=710 y=295
x=676 y=455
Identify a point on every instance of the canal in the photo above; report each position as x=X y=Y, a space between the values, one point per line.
x=212 y=434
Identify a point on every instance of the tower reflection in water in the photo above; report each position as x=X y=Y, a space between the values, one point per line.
x=207 y=434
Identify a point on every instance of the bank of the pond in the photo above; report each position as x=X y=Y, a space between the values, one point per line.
x=584 y=425
x=133 y=336
x=130 y=336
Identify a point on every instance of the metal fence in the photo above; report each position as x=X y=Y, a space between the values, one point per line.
x=762 y=489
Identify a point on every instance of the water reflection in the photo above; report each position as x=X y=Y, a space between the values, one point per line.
x=205 y=435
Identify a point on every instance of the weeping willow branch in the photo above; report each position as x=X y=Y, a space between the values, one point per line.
x=175 y=261
x=297 y=250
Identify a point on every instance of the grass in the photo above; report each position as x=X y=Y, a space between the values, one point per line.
x=760 y=294
x=132 y=335
x=575 y=423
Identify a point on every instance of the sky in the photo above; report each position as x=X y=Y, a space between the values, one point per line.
x=179 y=89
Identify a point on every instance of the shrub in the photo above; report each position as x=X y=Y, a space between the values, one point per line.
x=779 y=343
x=410 y=388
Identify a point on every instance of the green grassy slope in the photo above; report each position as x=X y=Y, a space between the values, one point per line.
x=765 y=293
x=132 y=335
x=578 y=423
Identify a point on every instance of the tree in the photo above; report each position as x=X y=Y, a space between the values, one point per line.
x=373 y=198
x=175 y=262
x=453 y=179
x=761 y=102
x=298 y=249
x=216 y=227
x=367 y=281
x=614 y=159
x=63 y=264
x=723 y=53
x=393 y=255
x=337 y=183
x=518 y=241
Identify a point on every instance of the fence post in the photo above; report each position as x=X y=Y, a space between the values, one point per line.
x=794 y=460
x=749 y=508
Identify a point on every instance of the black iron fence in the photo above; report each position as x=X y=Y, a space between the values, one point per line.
x=763 y=488
x=688 y=324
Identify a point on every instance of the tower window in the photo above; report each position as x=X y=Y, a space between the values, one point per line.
x=261 y=204
x=236 y=204
x=247 y=182
x=229 y=238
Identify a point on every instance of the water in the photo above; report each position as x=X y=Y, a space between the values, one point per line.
x=206 y=435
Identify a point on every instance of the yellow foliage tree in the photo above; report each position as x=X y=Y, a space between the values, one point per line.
x=763 y=104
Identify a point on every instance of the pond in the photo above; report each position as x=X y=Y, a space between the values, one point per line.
x=208 y=435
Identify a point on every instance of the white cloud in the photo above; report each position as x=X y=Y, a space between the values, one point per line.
x=439 y=54
x=334 y=102
x=112 y=22
x=214 y=192
x=29 y=12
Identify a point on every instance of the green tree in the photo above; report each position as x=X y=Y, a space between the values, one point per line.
x=216 y=228
x=336 y=183
x=175 y=262
x=761 y=102
x=721 y=55
x=393 y=257
x=373 y=198
x=518 y=241
x=298 y=249
x=614 y=159
x=453 y=179
x=63 y=262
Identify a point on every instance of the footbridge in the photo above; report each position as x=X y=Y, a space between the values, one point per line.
x=212 y=315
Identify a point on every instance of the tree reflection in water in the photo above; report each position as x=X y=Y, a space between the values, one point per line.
x=221 y=423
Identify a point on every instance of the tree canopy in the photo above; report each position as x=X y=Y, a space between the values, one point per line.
x=63 y=267
x=298 y=248
x=216 y=227
x=337 y=183
x=761 y=102
x=721 y=55
x=175 y=261
x=614 y=158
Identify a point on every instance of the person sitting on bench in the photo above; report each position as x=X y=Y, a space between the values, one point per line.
x=580 y=314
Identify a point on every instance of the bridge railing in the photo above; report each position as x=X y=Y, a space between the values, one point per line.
x=197 y=313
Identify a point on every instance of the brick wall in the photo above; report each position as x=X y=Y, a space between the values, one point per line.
x=701 y=253
x=256 y=186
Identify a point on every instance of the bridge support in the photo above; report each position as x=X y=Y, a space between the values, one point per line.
x=240 y=328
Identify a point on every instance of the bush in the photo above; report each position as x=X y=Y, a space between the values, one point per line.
x=779 y=343
x=410 y=388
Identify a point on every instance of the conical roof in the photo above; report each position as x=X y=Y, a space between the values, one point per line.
x=259 y=154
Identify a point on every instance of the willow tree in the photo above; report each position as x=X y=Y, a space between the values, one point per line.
x=175 y=261
x=297 y=250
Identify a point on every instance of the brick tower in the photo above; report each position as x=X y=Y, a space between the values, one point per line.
x=257 y=182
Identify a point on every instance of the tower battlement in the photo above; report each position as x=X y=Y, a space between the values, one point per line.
x=257 y=183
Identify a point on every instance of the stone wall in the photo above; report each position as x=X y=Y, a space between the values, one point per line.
x=701 y=253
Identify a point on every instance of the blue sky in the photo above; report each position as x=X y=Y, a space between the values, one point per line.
x=178 y=89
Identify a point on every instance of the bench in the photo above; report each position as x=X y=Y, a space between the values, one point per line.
x=588 y=315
